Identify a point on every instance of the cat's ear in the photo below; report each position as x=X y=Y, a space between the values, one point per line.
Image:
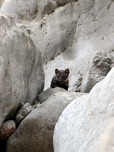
x=67 y=71
x=56 y=71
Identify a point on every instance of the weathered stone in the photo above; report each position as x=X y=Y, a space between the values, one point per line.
x=67 y=33
x=20 y=9
x=74 y=44
x=43 y=96
x=106 y=143
x=35 y=132
x=78 y=51
x=23 y=112
x=101 y=65
x=7 y=129
x=31 y=9
x=83 y=121
x=21 y=70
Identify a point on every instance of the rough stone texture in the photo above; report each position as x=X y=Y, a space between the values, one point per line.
x=68 y=32
x=31 y=9
x=82 y=123
x=60 y=30
x=73 y=37
x=7 y=129
x=101 y=65
x=106 y=143
x=21 y=71
x=23 y=112
x=21 y=9
x=35 y=132
x=43 y=96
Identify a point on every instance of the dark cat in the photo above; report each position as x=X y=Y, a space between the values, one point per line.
x=60 y=79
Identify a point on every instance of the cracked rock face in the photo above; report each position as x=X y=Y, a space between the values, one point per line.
x=69 y=37
x=20 y=64
x=35 y=132
x=21 y=9
x=83 y=122
x=23 y=112
x=102 y=63
x=67 y=33
x=31 y=9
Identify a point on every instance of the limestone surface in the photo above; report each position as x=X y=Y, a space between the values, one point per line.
x=35 y=132
x=21 y=70
x=67 y=32
x=106 y=143
x=72 y=35
x=102 y=63
x=31 y=9
x=84 y=120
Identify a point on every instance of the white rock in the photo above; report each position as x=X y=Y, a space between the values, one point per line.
x=29 y=10
x=101 y=65
x=67 y=31
x=60 y=30
x=20 y=9
x=82 y=123
x=21 y=71
x=106 y=143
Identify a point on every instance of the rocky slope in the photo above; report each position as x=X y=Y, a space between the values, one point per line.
x=74 y=34
x=35 y=133
x=68 y=34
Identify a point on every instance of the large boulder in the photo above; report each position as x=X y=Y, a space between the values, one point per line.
x=7 y=129
x=106 y=143
x=21 y=71
x=82 y=123
x=43 y=96
x=102 y=63
x=35 y=132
